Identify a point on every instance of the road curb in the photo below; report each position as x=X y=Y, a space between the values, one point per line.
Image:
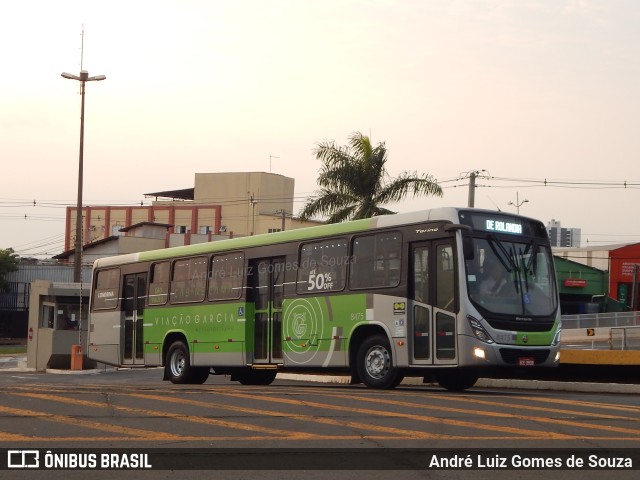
x=542 y=385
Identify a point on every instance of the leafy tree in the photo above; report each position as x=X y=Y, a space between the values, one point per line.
x=355 y=184
x=8 y=263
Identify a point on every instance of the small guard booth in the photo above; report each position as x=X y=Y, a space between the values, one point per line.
x=57 y=332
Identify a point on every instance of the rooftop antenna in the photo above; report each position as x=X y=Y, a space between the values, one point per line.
x=81 y=56
x=81 y=46
x=494 y=204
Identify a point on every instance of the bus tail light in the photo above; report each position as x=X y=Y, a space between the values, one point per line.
x=479 y=331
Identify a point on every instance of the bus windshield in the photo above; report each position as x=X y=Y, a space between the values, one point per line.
x=511 y=277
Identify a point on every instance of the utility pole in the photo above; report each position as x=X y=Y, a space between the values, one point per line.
x=473 y=174
x=83 y=78
x=283 y=214
x=253 y=214
x=633 y=303
x=472 y=189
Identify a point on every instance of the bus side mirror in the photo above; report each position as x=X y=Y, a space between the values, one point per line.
x=467 y=244
x=467 y=248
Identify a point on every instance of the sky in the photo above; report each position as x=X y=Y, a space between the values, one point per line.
x=521 y=91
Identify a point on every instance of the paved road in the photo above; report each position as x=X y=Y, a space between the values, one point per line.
x=136 y=410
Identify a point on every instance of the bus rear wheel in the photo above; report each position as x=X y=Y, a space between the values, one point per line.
x=178 y=367
x=375 y=364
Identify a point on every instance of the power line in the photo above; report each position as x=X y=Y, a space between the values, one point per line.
x=547 y=182
x=458 y=181
x=523 y=183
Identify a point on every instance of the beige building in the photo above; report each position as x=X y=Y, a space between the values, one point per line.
x=220 y=205
x=252 y=203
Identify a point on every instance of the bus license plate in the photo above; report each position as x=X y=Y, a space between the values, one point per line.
x=526 y=361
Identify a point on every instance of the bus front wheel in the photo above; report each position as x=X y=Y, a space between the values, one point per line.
x=375 y=364
x=178 y=367
x=255 y=377
x=456 y=380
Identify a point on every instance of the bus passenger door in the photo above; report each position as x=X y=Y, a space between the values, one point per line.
x=134 y=295
x=268 y=292
x=432 y=319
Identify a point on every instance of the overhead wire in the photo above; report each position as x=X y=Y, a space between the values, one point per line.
x=458 y=182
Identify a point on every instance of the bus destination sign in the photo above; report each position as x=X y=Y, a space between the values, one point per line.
x=501 y=223
x=503 y=227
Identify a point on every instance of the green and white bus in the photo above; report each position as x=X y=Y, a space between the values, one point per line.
x=446 y=293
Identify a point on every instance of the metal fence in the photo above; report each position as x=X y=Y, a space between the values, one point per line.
x=16 y=299
x=625 y=338
x=597 y=320
x=602 y=331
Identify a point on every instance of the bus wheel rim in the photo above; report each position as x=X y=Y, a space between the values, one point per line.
x=377 y=362
x=177 y=363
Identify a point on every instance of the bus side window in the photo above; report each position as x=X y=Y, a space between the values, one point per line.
x=445 y=280
x=322 y=266
x=421 y=274
x=189 y=280
x=159 y=283
x=105 y=296
x=225 y=276
x=375 y=261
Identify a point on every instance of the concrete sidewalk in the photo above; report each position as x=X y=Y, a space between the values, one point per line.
x=11 y=362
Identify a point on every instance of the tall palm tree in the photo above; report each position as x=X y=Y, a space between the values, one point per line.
x=355 y=184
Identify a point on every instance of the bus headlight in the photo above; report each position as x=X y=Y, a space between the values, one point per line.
x=479 y=353
x=479 y=331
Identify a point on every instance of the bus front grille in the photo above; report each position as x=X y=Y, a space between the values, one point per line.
x=512 y=355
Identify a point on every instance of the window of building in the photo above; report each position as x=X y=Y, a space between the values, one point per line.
x=68 y=314
x=48 y=316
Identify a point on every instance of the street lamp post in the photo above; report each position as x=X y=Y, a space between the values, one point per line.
x=518 y=203
x=83 y=78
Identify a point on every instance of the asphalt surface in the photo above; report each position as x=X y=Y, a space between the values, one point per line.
x=568 y=377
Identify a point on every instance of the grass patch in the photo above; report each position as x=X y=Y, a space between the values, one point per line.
x=13 y=349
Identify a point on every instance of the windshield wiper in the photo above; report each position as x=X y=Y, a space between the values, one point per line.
x=516 y=278
x=525 y=268
x=533 y=246
x=505 y=259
